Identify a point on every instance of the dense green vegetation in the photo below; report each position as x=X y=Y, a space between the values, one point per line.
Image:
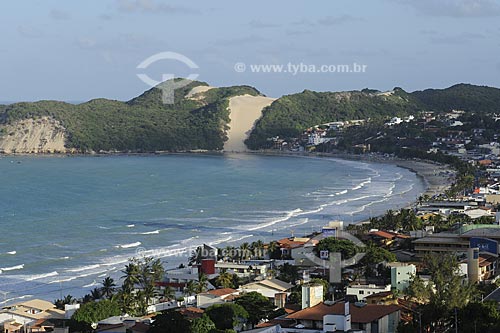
x=466 y=97
x=446 y=294
x=143 y=124
x=288 y=116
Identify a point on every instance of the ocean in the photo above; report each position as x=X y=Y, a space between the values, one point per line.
x=67 y=222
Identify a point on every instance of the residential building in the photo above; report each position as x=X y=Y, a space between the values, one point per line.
x=20 y=316
x=270 y=288
x=216 y=296
x=242 y=269
x=363 y=290
x=342 y=316
x=401 y=274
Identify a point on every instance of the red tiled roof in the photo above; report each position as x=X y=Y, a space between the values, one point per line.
x=192 y=312
x=290 y=243
x=222 y=292
x=365 y=314
x=382 y=234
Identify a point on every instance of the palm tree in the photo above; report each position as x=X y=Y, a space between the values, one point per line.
x=168 y=293
x=230 y=253
x=201 y=285
x=60 y=303
x=257 y=247
x=157 y=270
x=190 y=288
x=108 y=287
x=87 y=298
x=131 y=275
x=244 y=251
x=196 y=256
x=126 y=301
x=271 y=248
x=225 y=280
x=96 y=293
x=148 y=293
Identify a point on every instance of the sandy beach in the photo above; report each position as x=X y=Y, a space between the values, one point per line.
x=437 y=177
x=244 y=112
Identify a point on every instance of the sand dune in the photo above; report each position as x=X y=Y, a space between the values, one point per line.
x=43 y=135
x=244 y=112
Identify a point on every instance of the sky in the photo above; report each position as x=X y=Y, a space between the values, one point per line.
x=80 y=50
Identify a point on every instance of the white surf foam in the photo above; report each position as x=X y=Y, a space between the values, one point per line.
x=127 y=246
x=12 y=268
x=151 y=232
x=41 y=276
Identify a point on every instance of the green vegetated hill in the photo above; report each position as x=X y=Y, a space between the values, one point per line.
x=143 y=124
x=290 y=115
x=465 y=97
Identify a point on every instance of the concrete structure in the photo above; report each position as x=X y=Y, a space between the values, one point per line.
x=441 y=242
x=457 y=242
x=242 y=269
x=473 y=265
x=401 y=274
x=363 y=290
x=312 y=294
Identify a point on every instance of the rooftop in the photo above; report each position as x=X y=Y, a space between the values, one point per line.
x=222 y=292
x=365 y=314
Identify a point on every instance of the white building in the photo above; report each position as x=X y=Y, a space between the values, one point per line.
x=363 y=290
x=401 y=274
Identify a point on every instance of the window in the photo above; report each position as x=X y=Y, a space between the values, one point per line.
x=361 y=292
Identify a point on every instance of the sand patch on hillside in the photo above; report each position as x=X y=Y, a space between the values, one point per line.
x=33 y=136
x=198 y=93
x=244 y=110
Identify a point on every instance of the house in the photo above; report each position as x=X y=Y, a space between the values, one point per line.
x=385 y=238
x=123 y=324
x=19 y=316
x=479 y=212
x=288 y=245
x=385 y=297
x=216 y=296
x=242 y=269
x=345 y=316
x=401 y=274
x=363 y=290
x=273 y=289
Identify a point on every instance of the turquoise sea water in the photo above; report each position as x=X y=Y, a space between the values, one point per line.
x=67 y=222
